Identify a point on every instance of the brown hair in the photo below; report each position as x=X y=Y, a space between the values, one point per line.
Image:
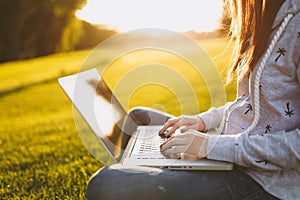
x=251 y=26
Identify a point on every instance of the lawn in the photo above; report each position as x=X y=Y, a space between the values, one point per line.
x=42 y=156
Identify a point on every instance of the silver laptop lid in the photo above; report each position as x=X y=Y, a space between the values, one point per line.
x=97 y=106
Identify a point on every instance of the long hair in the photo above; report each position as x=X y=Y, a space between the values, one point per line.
x=251 y=26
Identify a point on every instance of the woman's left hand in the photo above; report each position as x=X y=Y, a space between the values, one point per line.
x=190 y=142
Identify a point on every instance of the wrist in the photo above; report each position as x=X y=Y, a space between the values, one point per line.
x=203 y=142
x=201 y=125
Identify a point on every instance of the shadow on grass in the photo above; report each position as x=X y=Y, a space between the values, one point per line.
x=23 y=87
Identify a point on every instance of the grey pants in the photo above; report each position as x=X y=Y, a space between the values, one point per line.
x=120 y=182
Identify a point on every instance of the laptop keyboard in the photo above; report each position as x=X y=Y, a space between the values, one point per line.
x=149 y=147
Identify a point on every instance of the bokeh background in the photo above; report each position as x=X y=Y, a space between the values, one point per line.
x=41 y=154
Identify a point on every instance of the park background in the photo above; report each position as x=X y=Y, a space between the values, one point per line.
x=41 y=154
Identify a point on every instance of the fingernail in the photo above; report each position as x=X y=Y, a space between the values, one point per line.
x=161 y=132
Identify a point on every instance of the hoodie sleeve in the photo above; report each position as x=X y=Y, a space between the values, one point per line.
x=213 y=117
x=279 y=150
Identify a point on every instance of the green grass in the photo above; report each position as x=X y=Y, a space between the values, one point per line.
x=41 y=154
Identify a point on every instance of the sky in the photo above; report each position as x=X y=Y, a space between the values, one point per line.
x=176 y=15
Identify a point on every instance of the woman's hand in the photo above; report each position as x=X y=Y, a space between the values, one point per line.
x=190 y=122
x=190 y=142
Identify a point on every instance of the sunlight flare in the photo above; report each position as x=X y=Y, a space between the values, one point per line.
x=176 y=15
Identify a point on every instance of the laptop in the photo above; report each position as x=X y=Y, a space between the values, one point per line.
x=107 y=119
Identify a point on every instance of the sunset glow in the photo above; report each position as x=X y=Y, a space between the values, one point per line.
x=176 y=15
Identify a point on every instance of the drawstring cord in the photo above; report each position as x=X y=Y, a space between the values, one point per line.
x=260 y=69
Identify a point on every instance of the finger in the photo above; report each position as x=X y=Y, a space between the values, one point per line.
x=174 y=150
x=172 y=141
x=185 y=138
x=186 y=135
x=179 y=131
x=169 y=123
x=184 y=123
x=165 y=142
x=173 y=129
x=187 y=128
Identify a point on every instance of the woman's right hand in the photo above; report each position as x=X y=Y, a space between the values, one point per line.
x=189 y=122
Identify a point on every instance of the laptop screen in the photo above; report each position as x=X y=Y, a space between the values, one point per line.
x=101 y=112
x=110 y=117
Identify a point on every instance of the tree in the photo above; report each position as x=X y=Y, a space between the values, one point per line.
x=30 y=28
x=225 y=21
x=92 y=35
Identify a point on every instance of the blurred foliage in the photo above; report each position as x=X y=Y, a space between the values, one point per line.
x=92 y=35
x=30 y=28
x=225 y=21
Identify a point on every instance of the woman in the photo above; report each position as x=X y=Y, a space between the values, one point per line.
x=259 y=131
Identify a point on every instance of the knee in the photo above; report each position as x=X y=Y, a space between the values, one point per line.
x=93 y=190
x=140 y=115
x=120 y=182
x=148 y=116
